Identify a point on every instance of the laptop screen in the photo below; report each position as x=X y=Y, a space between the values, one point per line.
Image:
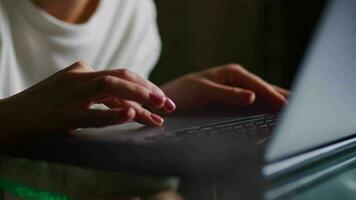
x=322 y=107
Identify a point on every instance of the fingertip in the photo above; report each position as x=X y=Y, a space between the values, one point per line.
x=248 y=97
x=170 y=106
x=252 y=98
x=284 y=100
x=157 y=119
x=280 y=103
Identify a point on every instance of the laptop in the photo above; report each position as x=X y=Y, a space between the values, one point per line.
x=319 y=121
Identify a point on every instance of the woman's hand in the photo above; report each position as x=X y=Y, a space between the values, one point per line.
x=62 y=102
x=229 y=84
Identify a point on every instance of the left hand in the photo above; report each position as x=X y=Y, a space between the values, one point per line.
x=230 y=84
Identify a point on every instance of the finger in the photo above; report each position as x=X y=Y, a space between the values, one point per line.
x=113 y=87
x=128 y=76
x=102 y=118
x=252 y=82
x=111 y=103
x=144 y=116
x=125 y=74
x=282 y=91
x=169 y=107
x=227 y=94
x=115 y=103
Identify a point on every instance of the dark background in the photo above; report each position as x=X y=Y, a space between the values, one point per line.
x=268 y=37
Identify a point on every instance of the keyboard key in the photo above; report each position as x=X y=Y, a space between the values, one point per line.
x=258 y=125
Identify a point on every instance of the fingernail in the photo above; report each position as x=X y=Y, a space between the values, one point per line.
x=159 y=120
x=170 y=105
x=280 y=104
x=249 y=98
x=157 y=99
x=284 y=101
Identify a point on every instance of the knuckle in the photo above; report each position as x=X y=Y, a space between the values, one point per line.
x=191 y=78
x=256 y=77
x=157 y=90
x=239 y=69
x=234 y=66
x=146 y=113
x=105 y=82
x=139 y=90
x=80 y=64
x=125 y=74
x=142 y=111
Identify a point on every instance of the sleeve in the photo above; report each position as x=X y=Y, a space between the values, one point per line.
x=150 y=48
x=142 y=45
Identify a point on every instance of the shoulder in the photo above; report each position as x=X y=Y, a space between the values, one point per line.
x=133 y=15
x=140 y=8
x=147 y=7
x=2 y=18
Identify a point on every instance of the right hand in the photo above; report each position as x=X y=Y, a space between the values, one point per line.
x=62 y=102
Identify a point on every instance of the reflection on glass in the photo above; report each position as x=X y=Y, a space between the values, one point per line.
x=25 y=179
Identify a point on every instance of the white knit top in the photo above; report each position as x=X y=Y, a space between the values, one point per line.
x=34 y=44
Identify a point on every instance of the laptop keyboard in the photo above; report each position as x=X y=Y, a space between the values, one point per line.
x=249 y=124
x=256 y=126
